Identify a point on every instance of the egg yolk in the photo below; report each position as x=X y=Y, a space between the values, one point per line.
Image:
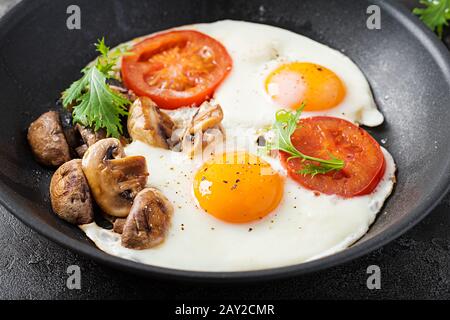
x=238 y=187
x=295 y=83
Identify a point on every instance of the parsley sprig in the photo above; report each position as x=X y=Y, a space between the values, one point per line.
x=94 y=103
x=284 y=127
x=435 y=14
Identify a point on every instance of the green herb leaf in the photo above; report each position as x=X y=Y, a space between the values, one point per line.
x=100 y=107
x=107 y=61
x=96 y=105
x=435 y=15
x=75 y=91
x=313 y=169
x=285 y=125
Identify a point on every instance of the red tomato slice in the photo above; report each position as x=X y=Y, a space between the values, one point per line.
x=321 y=136
x=176 y=68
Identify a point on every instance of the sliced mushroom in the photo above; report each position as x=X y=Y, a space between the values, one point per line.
x=89 y=137
x=114 y=178
x=69 y=193
x=208 y=116
x=47 y=140
x=148 y=124
x=149 y=220
x=81 y=150
x=204 y=128
x=118 y=225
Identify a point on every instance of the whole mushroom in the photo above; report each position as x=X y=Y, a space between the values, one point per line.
x=69 y=194
x=114 y=178
x=148 y=221
x=47 y=140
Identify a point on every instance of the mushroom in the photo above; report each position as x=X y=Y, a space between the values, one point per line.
x=114 y=178
x=118 y=225
x=69 y=194
x=207 y=116
x=47 y=140
x=205 y=127
x=148 y=221
x=81 y=150
x=89 y=137
x=148 y=124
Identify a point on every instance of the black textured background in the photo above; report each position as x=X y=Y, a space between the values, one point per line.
x=417 y=265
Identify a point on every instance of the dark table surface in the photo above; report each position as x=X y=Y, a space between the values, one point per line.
x=417 y=265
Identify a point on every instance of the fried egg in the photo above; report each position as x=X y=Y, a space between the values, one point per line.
x=237 y=209
x=279 y=69
x=277 y=230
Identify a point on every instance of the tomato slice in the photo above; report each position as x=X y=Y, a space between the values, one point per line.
x=324 y=136
x=177 y=68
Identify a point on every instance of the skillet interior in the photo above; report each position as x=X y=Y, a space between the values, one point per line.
x=408 y=70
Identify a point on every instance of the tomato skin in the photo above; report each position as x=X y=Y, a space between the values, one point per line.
x=321 y=136
x=178 y=63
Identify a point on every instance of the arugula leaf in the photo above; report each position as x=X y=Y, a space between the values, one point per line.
x=314 y=169
x=284 y=127
x=95 y=103
x=435 y=15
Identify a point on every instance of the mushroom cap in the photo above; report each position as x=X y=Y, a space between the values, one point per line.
x=114 y=178
x=148 y=221
x=69 y=193
x=47 y=140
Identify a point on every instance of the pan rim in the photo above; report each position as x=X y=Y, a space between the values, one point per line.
x=442 y=187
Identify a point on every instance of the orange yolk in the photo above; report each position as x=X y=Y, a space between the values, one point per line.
x=295 y=83
x=238 y=187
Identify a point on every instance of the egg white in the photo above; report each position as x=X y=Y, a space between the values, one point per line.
x=257 y=50
x=304 y=226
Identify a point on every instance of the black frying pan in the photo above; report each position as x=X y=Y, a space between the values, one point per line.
x=408 y=69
